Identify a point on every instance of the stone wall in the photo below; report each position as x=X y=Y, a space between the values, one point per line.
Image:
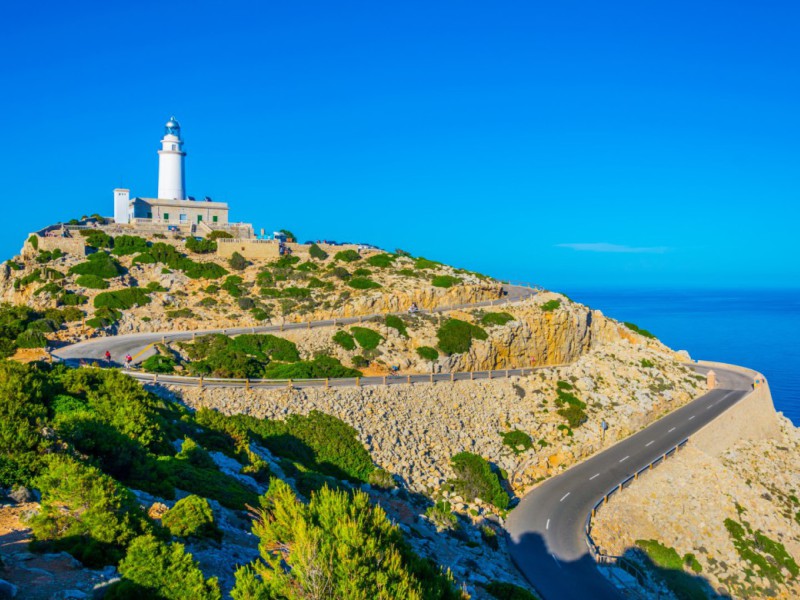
x=269 y=249
x=69 y=245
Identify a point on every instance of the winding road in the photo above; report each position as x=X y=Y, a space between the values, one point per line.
x=547 y=527
x=548 y=543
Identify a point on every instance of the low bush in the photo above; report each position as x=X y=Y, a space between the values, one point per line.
x=455 y=336
x=441 y=515
x=359 y=362
x=397 y=323
x=639 y=330
x=367 y=338
x=428 y=353
x=345 y=340
x=496 y=318
x=158 y=363
x=320 y=367
x=476 y=479
x=238 y=262
x=154 y=569
x=574 y=415
x=382 y=261
x=129 y=244
x=260 y=314
x=97 y=239
x=246 y=303
x=68 y=298
x=424 y=263
x=92 y=281
x=489 y=537
x=45 y=256
x=99 y=264
x=341 y=273
x=287 y=261
x=265 y=278
x=316 y=252
x=445 y=281
x=191 y=517
x=219 y=234
x=31 y=339
x=200 y=246
x=551 y=305
x=647 y=364
x=122 y=299
x=307 y=267
x=381 y=479
x=347 y=256
x=363 y=283
x=362 y=272
x=516 y=438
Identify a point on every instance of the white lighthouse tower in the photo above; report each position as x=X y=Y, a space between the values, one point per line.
x=171 y=178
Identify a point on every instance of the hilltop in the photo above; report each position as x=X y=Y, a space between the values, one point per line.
x=430 y=470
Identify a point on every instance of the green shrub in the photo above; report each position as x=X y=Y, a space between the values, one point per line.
x=551 y=305
x=43 y=325
x=320 y=367
x=428 y=353
x=207 y=482
x=265 y=278
x=260 y=314
x=195 y=454
x=367 y=338
x=45 y=256
x=489 y=537
x=317 y=252
x=99 y=264
x=367 y=558
x=345 y=340
x=455 y=336
x=363 y=283
x=85 y=512
x=97 y=239
x=287 y=261
x=476 y=479
x=200 y=246
x=347 y=256
x=68 y=298
x=516 y=438
x=92 y=281
x=31 y=339
x=637 y=329
x=307 y=267
x=341 y=273
x=574 y=415
x=238 y=262
x=496 y=318
x=33 y=240
x=267 y=346
x=191 y=517
x=382 y=261
x=647 y=364
x=362 y=272
x=158 y=363
x=219 y=234
x=153 y=569
x=564 y=385
x=397 y=323
x=155 y=286
x=359 y=362
x=445 y=281
x=122 y=299
x=145 y=258
x=246 y=303
x=381 y=479
x=441 y=515
x=424 y=263
x=129 y=244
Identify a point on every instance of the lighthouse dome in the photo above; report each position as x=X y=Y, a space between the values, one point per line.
x=173 y=127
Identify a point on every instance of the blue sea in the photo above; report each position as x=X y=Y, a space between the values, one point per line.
x=754 y=328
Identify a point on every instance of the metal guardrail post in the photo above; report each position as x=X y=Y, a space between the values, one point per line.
x=358 y=381
x=327 y=383
x=472 y=375
x=384 y=380
x=506 y=373
x=309 y=325
x=452 y=376
x=431 y=377
x=200 y=383
x=409 y=379
x=289 y=383
x=247 y=383
x=155 y=377
x=490 y=373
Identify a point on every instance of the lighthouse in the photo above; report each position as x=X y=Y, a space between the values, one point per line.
x=171 y=178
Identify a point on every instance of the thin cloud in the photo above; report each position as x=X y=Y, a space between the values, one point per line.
x=614 y=248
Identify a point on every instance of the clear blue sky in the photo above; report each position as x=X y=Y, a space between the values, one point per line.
x=567 y=143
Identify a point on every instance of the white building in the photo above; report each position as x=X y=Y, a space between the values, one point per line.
x=172 y=207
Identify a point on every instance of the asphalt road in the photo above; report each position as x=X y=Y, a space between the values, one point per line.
x=139 y=345
x=547 y=527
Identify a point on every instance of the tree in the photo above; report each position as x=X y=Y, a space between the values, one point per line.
x=238 y=262
x=337 y=546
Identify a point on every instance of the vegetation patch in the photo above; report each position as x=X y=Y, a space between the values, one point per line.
x=424 y=263
x=509 y=591
x=99 y=264
x=455 y=336
x=639 y=330
x=321 y=367
x=382 y=261
x=441 y=515
x=129 y=244
x=191 y=517
x=515 y=439
x=397 y=323
x=491 y=319
x=345 y=340
x=427 y=353
x=367 y=338
x=768 y=557
x=445 y=281
x=347 y=256
x=316 y=252
x=363 y=283
x=551 y=305
x=122 y=299
x=200 y=245
x=475 y=478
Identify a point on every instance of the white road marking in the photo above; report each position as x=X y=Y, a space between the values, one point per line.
x=649 y=443
x=547 y=526
x=692 y=417
x=593 y=476
x=565 y=496
x=671 y=430
x=709 y=407
x=624 y=459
